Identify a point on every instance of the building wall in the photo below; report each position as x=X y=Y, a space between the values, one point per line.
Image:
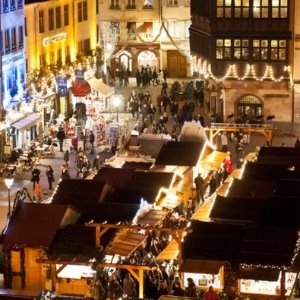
x=13 y=58
x=65 y=38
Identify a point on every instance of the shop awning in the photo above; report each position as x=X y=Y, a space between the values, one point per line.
x=170 y=252
x=27 y=121
x=99 y=86
x=126 y=243
x=201 y=266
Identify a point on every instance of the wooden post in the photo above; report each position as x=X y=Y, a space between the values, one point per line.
x=282 y=284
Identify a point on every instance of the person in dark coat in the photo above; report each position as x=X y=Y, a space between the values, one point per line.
x=61 y=136
x=50 y=176
x=199 y=184
x=35 y=178
x=92 y=140
x=67 y=157
x=65 y=173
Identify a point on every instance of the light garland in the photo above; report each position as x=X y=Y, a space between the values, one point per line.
x=273 y=267
x=297 y=248
x=250 y=72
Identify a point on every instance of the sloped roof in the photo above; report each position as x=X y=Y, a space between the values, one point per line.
x=36 y=225
x=240 y=244
x=279 y=155
x=79 y=193
x=137 y=165
x=180 y=153
x=117 y=177
x=193 y=132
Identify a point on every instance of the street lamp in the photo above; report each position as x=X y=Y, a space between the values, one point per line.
x=9 y=182
x=116 y=101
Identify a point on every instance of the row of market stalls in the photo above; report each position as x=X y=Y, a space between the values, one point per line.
x=243 y=240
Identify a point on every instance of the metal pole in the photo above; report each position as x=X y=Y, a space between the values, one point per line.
x=117 y=114
x=9 y=202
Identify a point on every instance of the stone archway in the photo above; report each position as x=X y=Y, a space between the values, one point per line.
x=125 y=59
x=147 y=57
x=249 y=109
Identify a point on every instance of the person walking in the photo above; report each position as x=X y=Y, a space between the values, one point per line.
x=61 y=136
x=92 y=140
x=191 y=290
x=35 y=178
x=65 y=173
x=199 y=184
x=67 y=157
x=50 y=176
x=129 y=286
x=224 y=142
x=37 y=192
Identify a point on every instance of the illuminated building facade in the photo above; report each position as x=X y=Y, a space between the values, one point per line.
x=131 y=33
x=58 y=31
x=246 y=49
x=12 y=50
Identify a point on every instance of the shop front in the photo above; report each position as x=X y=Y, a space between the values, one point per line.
x=24 y=130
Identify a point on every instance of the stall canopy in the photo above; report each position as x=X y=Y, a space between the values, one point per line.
x=27 y=121
x=99 y=86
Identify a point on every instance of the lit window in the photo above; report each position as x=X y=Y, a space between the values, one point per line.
x=241 y=49
x=260 y=8
x=278 y=50
x=223 y=49
x=241 y=8
x=224 y=8
x=7 y=41
x=279 y=8
x=148 y=3
x=260 y=49
x=82 y=11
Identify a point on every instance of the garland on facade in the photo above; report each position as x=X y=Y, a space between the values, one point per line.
x=162 y=27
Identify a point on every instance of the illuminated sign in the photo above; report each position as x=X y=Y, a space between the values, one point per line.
x=54 y=39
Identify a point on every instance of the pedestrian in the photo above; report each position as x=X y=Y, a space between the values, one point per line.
x=129 y=286
x=224 y=142
x=65 y=173
x=50 y=176
x=97 y=163
x=61 y=136
x=190 y=290
x=211 y=294
x=199 y=185
x=35 y=176
x=37 y=192
x=92 y=140
x=176 y=288
x=240 y=146
x=67 y=157
x=227 y=165
x=165 y=74
x=190 y=209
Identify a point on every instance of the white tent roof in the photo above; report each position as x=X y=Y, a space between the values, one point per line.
x=99 y=86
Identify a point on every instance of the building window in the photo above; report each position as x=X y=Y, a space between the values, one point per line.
x=241 y=49
x=59 y=57
x=249 y=108
x=260 y=8
x=278 y=50
x=148 y=3
x=172 y=2
x=21 y=37
x=82 y=11
x=51 y=19
x=66 y=15
x=97 y=7
x=12 y=5
x=1 y=42
x=224 y=8
x=42 y=60
x=84 y=46
x=13 y=39
x=223 y=49
x=187 y=2
x=260 y=49
x=7 y=41
x=41 y=21
x=5 y=6
x=115 y=4
x=58 y=16
x=131 y=4
x=67 y=54
x=131 y=28
x=20 y=4
x=241 y=8
x=279 y=8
